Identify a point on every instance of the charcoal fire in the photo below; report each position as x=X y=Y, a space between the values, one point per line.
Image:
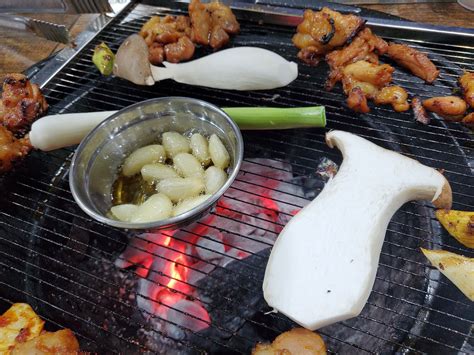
x=170 y=264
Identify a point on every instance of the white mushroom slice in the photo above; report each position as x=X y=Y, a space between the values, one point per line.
x=175 y=143
x=189 y=204
x=219 y=155
x=153 y=153
x=155 y=208
x=157 y=171
x=322 y=270
x=214 y=179
x=178 y=189
x=187 y=165
x=124 y=212
x=200 y=149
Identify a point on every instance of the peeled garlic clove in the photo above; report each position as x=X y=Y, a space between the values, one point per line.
x=219 y=155
x=187 y=165
x=178 y=189
x=175 y=143
x=124 y=212
x=214 y=179
x=200 y=148
x=153 y=153
x=189 y=204
x=155 y=208
x=157 y=171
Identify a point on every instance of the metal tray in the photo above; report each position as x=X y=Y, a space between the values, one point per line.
x=57 y=259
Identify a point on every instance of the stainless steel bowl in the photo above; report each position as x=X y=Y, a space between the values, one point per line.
x=96 y=163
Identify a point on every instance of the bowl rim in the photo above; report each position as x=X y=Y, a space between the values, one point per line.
x=172 y=222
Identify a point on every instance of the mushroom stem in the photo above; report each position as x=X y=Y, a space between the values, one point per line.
x=322 y=267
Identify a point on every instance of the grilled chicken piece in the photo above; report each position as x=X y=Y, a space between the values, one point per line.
x=322 y=31
x=183 y=49
x=419 y=111
x=49 y=343
x=21 y=103
x=452 y=108
x=365 y=46
x=18 y=324
x=212 y=23
x=168 y=38
x=11 y=149
x=418 y=63
x=394 y=95
x=363 y=80
x=467 y=84
x=469 y=120
x=293 y=342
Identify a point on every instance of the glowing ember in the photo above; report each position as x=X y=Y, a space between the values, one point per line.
x=246 y=220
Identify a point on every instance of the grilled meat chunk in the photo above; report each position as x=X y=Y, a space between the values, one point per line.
x=365 y=46
x=419 y=111
x=11 y=149
x=394 y=95
x=467 y=84
x=21 y=103
x=212 y=23
x=451 y=108
x=415 y=61
x=363 y=80
x=322 y=31
x=295 y=341
x=468 y=120
x=49 y=343
x=168 y=38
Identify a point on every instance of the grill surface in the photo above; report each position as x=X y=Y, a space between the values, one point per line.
x=57 y=259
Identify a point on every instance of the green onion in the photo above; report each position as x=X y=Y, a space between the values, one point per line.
x=277 y=118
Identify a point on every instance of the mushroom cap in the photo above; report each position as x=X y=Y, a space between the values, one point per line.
x=131 y=61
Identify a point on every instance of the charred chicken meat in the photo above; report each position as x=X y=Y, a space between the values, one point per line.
x=365 y=46
x=212 y=23
x=173 y=38
x=467 y=84
x=362 y=80
x=322 y=31
x=419 y=111
x=415 y=61
x=451 y=108
x=21 y=103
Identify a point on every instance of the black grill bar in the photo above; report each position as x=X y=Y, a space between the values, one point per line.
x=38 y=212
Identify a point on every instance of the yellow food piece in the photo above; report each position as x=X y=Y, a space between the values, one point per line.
x=457 y=268
x=460 y=224
x=297 y=341
x=17 y=325
x=48 y=343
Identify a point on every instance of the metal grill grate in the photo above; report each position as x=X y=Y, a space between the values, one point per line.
x=57 y=259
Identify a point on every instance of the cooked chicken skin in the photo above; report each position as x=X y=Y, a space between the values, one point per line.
x=467 y=84
x=322 y=31
x=363 y=80
x=168 y=39
x=212 y=23
x=21 y=103
x=49 y=343
x=412 y=59
x=394 y=95
x=469 y=120
x=298 y=341
x=365 y=46
x=11 y=149
x=452 y=108
x=419 y=111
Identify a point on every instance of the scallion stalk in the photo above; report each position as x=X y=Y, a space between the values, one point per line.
x=277 y=118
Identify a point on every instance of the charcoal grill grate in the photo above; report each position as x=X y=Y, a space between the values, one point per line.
x=57 y=259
